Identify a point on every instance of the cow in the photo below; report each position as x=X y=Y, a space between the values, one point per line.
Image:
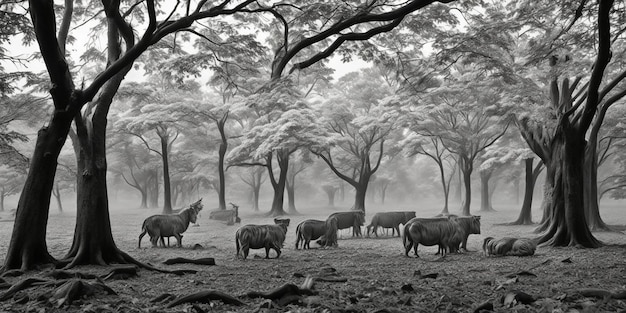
x=261 y=236
x=162 y=225
x=354 y=219
x=309 y=230
x=389 y=220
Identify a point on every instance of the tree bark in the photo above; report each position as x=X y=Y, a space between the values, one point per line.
x=485 y=195
x=568 y=225
x=291 y=195
x=530 y=178
x=466 y=168
x=282 y=158
x=167 y=193
x=222 y=155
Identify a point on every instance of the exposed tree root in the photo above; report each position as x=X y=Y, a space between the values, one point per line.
x=280 y=292
x=201 y=261
x=12 y=273
x=61 y=274
x=206 y=297
x=21 y=285
x=122 y=272
x=77 y=289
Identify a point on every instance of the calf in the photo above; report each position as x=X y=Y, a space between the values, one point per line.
x=160 y=226
x=389 y=220
x=261 y=236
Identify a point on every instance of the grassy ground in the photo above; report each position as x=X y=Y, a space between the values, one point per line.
x=378 y=275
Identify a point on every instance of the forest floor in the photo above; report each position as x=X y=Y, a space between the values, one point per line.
x=370 y=274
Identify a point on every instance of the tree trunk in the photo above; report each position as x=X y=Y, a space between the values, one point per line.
x=57 y=194
x=383 y=192
x=330 y=194
x=154 y=190
x=445 y=187
x=220 y=166
x=27 y=248
x=525 y=216
x=466 y=169
x=291 y=196
x=360 y=193
x=546 y=205
x=592 y=208
x=167 y=193
x=485 y=198
x=2 y=196
x=568 y=225
x=282 y=157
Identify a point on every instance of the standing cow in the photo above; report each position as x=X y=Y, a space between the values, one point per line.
x=261 y=236
x=389 y=220
x=309 y=230
x=161 y=226
x=429 y=232
x=354 y=219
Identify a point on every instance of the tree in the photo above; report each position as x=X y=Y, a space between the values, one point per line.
x=254 y=178
x=285 y=125
x=465 y=114
x=358 y=125
x=433 y=148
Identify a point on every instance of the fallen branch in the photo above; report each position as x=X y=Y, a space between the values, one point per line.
x=206 y=297
x=602 y=293
x=202 y=261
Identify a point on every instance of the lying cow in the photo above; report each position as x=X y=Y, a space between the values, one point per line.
x=389 y=220
x=161 y=226
x=261 y=236
x=509 y=246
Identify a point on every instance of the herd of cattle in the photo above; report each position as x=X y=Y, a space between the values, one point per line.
x=449 y=233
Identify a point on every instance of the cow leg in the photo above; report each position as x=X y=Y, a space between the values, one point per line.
x=143 y=233
x=267 y=252
x=179 y=238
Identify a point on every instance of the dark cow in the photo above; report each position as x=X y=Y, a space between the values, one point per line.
x=261 y=236
x=389 y=220
x=329 y=239
x=160 y=226
x=309 y=230
x=354 y=219
x=429 y=232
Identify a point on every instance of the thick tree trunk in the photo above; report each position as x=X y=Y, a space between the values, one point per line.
x=467 y=182
x=93 y=241
x=360 y=194
x=27 y=248
x=167 y=193
x=279 y=186
x=592 y=208
x=485 y=194
x=525 y=216
x=568 y=225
